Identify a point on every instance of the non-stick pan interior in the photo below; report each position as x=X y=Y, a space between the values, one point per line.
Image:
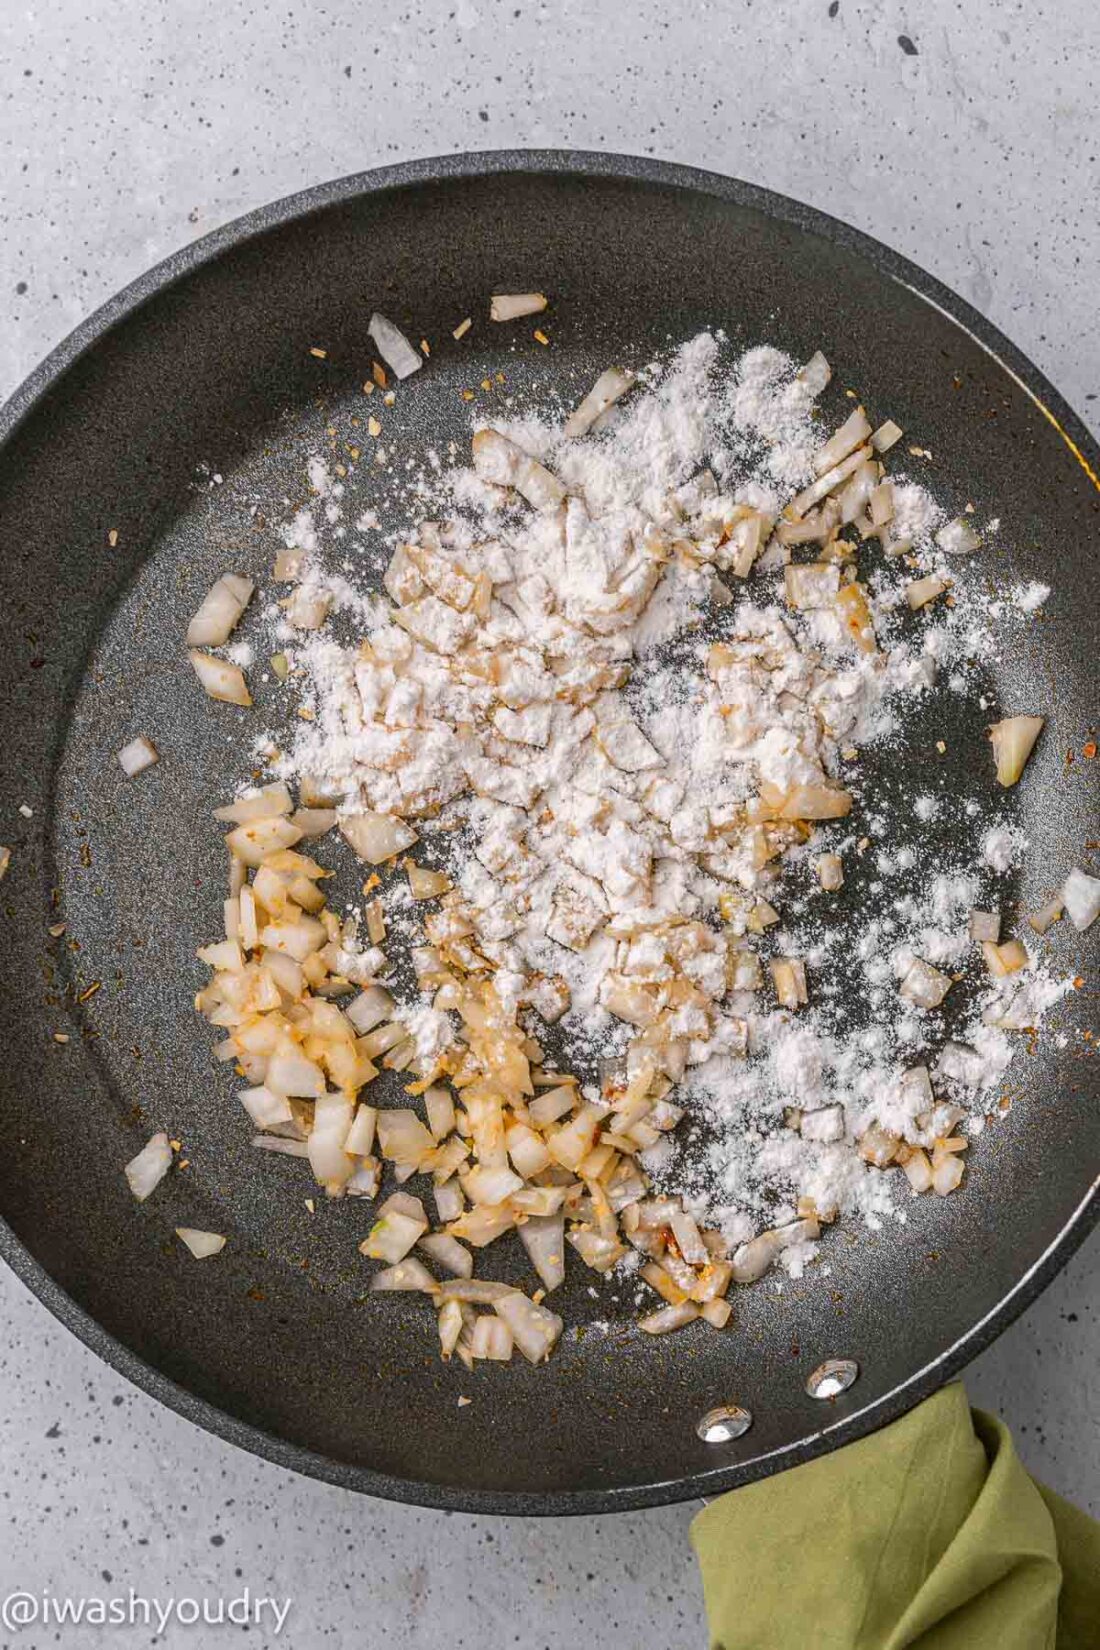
x=182 y=429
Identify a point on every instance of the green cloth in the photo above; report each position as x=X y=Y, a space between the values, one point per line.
x=929 y=1533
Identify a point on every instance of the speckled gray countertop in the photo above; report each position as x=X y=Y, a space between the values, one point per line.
x=965 y=138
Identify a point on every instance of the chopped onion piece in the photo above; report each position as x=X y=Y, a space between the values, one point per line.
x=543 y=1237
x=293 y=1075
x=396 y=1230
x=918 y=1170
x=259 y=839
x=607 y=389
x=451 y=1325
x=447 y=1252
x=827 y=483
x=402 y=1137
x=313 y=822
x=1047 y=915
x=669 y=1318
x=816 y=373
x=499 y=460
x=490 y=1186
x=449 y=1202
x=440 y=1108
x=688 y=1239
x=830 y=872
x=265 y=1107
x=535 y=1328
x=717 y=1313
x=265 y=804
x=138 y=755
x=878 y=1146
x=220 y=611
x=1004 y=959
x=924 y=985
x=851 y=434
x=789 y=978
x=424 y=884
x=491 y=1338
x=394 y=347
x=359 y=1141
x=475 y=1291
x=599 y=1252
x=404 y=1277
x=946 y=1175
x=922 y=591
x=376 y=837
x=985 y=925
x=220 y=679
x=201 y=1244
x=275 y=1143
x=510 y=306
x=886 y=436
x=366 y=1179
x=1013 y=741
x=958 y=538
x=370 y=1008
x=811 y=584
x=146 y=1171
x=1081 y=899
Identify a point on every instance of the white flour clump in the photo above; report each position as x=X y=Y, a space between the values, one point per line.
x=622 y=685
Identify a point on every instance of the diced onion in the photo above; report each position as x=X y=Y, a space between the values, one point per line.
x=886 y=436
x=376 y=837
x=372 y=1006
x=1047 y=915
x=816 y=373
x=394 y=347
x=447 y=1252
x=220 y=679
x=138 y=755
x=265 y=1107
x=1081 y=899
x=543 y=1237
x=830 y=872
x=535 y=1328
x=946 y=1175
x=359 y=1141
x=669 y=1318
x=220 y=611
x=293 y=1074
x=607 y=389
x=499 y=460
x=272 y=800
x=922 y=591
x=851 y=434
x=510 y=306
x=396 y=1230
x=924 y=985
x=146 y=1171
x=1013 y=741
x=405 y=1276
x=1004 y=959
x=958 y=538
x=985 y=925
x=201 y=1244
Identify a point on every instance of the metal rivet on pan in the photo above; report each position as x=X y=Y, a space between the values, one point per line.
x=722 y=1426
x=832 y=1378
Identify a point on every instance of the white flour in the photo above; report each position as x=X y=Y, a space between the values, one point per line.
x=549 y=697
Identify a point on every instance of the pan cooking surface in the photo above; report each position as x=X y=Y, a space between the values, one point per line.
x=206 y=372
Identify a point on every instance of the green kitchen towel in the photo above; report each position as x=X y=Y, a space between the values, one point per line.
x=930 y=1533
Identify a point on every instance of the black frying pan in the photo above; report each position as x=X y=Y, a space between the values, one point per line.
x=206 y=361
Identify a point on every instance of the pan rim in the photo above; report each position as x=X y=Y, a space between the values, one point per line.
x=456 y=168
